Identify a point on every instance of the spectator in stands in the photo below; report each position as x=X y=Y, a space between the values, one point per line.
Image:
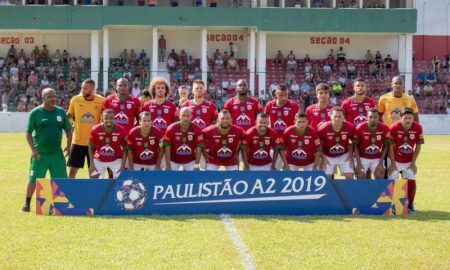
x=234 y=50
x=136 y=90
x=330 y=60
x=431 y=78
x=378 y=59
x=308 y=68
x=337 y=88
x=428 y=105
x=218 y=64
x=171 y=64
x=80 y=63
x=291 y=62
x=428 y=89
x=35 y=53
x=388 y=62
x=45 y=55
x=369 y=58
x=340 y=5
x=173 y=55
x=225 y=58
x=289 y=79
x=436 y=64
x=161 y=49
x=318 y=3
x=12 y=53
x=373 y=70
x=65 y=56
x=233 y=65
x=305 y=88
x=326 y=69
x=417 y=90
x=421 y=77
x=341 y=56
x=132 y=57
x=295 y=88
x=5 y=98
x=213 y=3
x=56 y=57
x=343 y=80
x=343 y=70
x=279 y=58
x=212 y=91
x=190 y=63
x=353 y=4
x=272 y=88
x=307 y=59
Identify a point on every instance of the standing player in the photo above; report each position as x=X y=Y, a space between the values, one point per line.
x=302 y=143
x=243 y=108
x=125 y=106
x=407 y=137
x=44 y=134
x=222 y=143
x=85 y=110
x=107 y=143
x=371 y=144
x=183 y=143
x=257 y=145
x=145 y=145
x=336 y=136
x=356 y=107
x=162 y=110
x=319 y=113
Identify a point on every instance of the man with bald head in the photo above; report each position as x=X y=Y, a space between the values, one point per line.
x=44 y=134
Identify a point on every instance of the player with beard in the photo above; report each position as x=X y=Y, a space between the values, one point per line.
x=407 y=140
x=259 y=141
x=336 y=136
x=319 y=113
x=183 y=143
x=222 y=143
x=243 y=108
x=107 y=147
x=356 y=107
x=85 y=111
x=145 y=145
x=371 y=144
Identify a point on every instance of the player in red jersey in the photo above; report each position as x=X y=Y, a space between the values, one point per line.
x=222 y=143
x=336 y=136
x=258 y=144
x=356 y=107
x=107 y=144
x=243 y=108
x=302 y=143
x=319 y=113
x=371 y=144
x=183 y=143
x=125 y=106
x=161 y=109
x=407 y=139
x=145 y=145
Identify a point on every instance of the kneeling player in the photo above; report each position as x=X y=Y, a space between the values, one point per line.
x=302 y=145
x=407 y=138
x=144 y=145
x=107 y=143
x=371 y=144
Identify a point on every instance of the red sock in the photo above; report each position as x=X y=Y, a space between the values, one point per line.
x=411 y=191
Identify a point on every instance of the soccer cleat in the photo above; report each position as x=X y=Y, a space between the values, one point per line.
x=411 y=209
x=25 y=209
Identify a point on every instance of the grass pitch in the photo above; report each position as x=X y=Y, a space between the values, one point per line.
x=420 y=241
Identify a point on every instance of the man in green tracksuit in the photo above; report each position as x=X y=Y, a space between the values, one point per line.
x=44 y=134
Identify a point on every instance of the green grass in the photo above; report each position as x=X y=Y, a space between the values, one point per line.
x=418 y=241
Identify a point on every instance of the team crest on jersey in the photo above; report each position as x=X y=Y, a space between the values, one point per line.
x=399 y=136
x=286 y=113
x=279 y=124
x=412 y=136
x=230 y=140
x=255 y=141
x=114 y=138
x=199 y=122
x=378 y=137
x=204 y=110
x=100 y=138
x=306 y=141
x=217 y=140
x=189 y=137
x=184 y=150
x=260 y=154
x=337 y=149
x=128 y=106
x=267 y=142
x=405 y=149
x=224 y=152
x=121 y=118
x=299 y=153
x=87 y=118
x=139 y=143
x=147 y=154
x=344 y=136
x=243 y=120
x=106 y=151
x=152 y=142
x=372 y=150
x=159 y=122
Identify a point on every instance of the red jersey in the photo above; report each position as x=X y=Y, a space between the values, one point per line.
x=125 y=111
x=223 y=148
x=243 y=113
x=334 y=143
x=316 y=116
x=108 y=145
x=281 y=117
x=404 y=141
x=355 y=112
x=258 y=146
x=300 y=148
x=183 y=144
x=162 y=114
x=203 y=114
x=370 y=143
x=145 y=149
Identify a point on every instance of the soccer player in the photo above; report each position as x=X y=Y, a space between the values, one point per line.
x=336 y=136
x=356 y=107
x=183 y=143
x=44 y=134
x=407 y=139
x=222 y=143
x=258 y=144
x=145 y=145
x=85 y=110
x=243 y=108
x=371 y=144
x=302 y=144
x=390 y=105
x=107 y=147
x=319 y=113
x=162 y=110
x=125 y=106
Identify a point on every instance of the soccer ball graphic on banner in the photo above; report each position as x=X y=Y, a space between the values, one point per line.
x=131 y=195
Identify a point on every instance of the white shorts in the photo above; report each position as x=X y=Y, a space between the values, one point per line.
x=308 y=167
x=212 y=167
x=186 y=167
x=370 y=164
x=113 y=165
x=267 y=167
x=344 y=166
x=140 y=167
x=402 y=167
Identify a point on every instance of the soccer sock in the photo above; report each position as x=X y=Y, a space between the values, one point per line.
x=411 y=191
x=28 y=201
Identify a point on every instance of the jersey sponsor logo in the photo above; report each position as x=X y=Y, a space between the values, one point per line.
x=107 y=151
x=224 y=152
x=199 y=122
x=114 y=138
x=412 y=136
x=58 y=118
x=372 y=150
x=306 y=141
x=359 y=119
x=129 y=106
x=184 y=150
x=260 y=154
x=344 y=136
x=337 y=149
x=405 y=149
x=299 y=153
x=249 y=107
x=243 y=120
x=279 y=124
x=159 y=122
x=378 y=137
x=147 y=154
x=121 y=118
x=87 y=119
